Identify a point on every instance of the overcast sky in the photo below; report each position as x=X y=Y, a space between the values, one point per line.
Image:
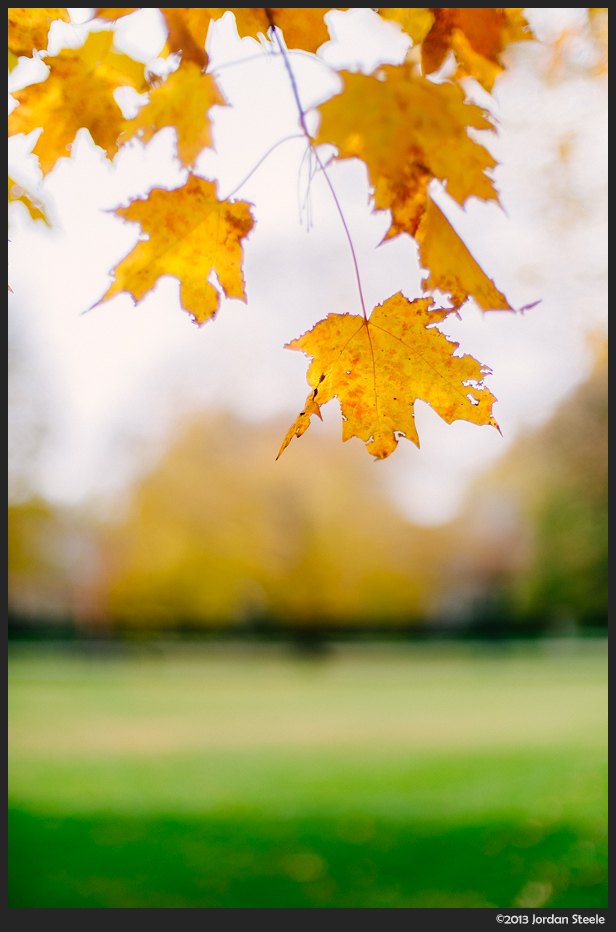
x=120 y=371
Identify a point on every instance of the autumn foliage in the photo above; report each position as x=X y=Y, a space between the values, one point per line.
x=408 y=123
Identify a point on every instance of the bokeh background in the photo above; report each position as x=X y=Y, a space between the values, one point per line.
x=318 y=681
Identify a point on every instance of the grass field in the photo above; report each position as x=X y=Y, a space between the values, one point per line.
x=372 y=777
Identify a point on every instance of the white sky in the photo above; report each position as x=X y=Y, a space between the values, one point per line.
x=120 y=371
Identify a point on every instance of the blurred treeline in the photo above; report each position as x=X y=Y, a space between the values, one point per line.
x=220 y=537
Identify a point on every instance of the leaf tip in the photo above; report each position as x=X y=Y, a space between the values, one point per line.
x=529 y=307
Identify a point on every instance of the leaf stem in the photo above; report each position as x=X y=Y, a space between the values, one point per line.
x=261 y=160
x=302 y=122
x=346 y=230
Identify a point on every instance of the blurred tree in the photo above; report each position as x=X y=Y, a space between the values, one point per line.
x=566 y=576
x=219 y=535
x=53 y=566
x=210 y=541
x=28 y=413
x=530 y=547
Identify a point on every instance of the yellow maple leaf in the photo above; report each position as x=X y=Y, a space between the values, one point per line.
x=379 y=367
x=192 y=233
x=183 y=101
x=404 y=126
x=303 y=28
x=249 y=21
x=409 y=130
x=33 y=205
x=29 y=27
x=477 y=36
x=406 y=196
x=78 y=92
x=452 y=268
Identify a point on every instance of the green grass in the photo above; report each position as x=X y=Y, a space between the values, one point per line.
x=372 y=778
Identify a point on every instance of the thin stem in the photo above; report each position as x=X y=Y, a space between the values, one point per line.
x=302 y=121
x=259 y=56
x=261 y=160
x=287 y=64
x=264 y=56
x=346 y=230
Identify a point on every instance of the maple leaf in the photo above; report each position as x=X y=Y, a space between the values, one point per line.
x=416 y=21
x=477 y=37
x=78 y=92
x=29 y=27
x=183 y=101
x=192 y=233
x=379 y=367
x=33 y=205
x=302 y=28
x=188 y=28
x=408 y=131
x=406 y=196
x=452 y=268
x=249 y=21
x=404 y=126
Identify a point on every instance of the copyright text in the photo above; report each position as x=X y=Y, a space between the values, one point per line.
x=541 y=920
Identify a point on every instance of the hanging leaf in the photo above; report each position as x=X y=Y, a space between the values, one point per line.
x=78 y=92
x=452 y=268
x=192 y=234
x=184 y=102
x=378 y=368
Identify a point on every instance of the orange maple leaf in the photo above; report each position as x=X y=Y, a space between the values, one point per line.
x=78 y=92
x=183 y=101
x=477 y=37
x=188 y=28
x=29 y=27
x=192 y=234
x=379 y=367
x=302 y=28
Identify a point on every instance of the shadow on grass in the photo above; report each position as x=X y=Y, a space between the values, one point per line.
x=120 y=861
